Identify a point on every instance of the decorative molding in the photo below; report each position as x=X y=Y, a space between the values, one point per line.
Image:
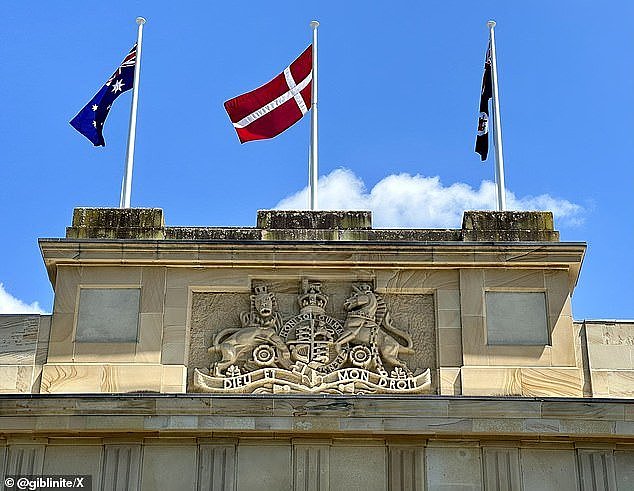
x=121 y=467
x=217 y=467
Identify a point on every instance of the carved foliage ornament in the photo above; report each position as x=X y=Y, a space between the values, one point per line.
x=313 y=352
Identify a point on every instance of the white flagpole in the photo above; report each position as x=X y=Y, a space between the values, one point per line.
x=314 y=156
x=126 y=187
x=497 y=127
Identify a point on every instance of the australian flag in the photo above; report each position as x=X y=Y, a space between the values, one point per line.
x=482 y=140
x=89 y=121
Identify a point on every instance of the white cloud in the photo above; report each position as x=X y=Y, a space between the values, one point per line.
x=11 y=305
x=403 y=200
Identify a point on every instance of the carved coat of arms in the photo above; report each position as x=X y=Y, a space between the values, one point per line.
x=313 y=352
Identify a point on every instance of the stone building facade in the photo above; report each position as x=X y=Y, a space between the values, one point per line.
x=314 y=352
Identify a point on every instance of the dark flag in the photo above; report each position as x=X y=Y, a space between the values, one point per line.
x=89 y=121
x=482 y=140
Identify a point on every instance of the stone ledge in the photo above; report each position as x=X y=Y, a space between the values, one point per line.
x=439 y=416
x=258 y=234
x=213 y=233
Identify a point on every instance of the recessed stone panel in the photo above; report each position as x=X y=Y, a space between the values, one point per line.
x=516 y=318
x=358 y=467
x=226 y=332
x=169 y=467
x=108 y=315
x=265 y=467
x=18 y=339
x=624 y=461
x=453 y=468
x=62 y=459
x=549 y=470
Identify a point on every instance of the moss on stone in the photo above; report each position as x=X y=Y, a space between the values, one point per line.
x=509 y=226
x=117 y=223
x=305 y=219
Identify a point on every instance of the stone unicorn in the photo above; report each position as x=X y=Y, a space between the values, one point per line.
x=368 y=323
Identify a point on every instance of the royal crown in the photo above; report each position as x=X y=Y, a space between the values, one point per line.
x=312 y=296
x=260 y=289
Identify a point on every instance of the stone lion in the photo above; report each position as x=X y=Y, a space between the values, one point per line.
x=259 y=327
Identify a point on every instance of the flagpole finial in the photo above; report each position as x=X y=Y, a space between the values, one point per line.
x=314 y=24
x=491 y=24
x=140 y=21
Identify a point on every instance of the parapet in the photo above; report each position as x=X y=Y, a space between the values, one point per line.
x=294 y=225
x=509 y=226
x=117 y=223
x=294 y=219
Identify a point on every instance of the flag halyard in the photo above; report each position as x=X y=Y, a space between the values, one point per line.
x=275 y=106
x=91 y=118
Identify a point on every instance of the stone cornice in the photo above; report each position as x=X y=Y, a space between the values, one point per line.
x=325 y=254
x=448 y=417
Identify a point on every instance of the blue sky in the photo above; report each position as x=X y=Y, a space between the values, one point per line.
x=399 y=88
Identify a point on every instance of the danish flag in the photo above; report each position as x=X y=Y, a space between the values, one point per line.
x=275 y=106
